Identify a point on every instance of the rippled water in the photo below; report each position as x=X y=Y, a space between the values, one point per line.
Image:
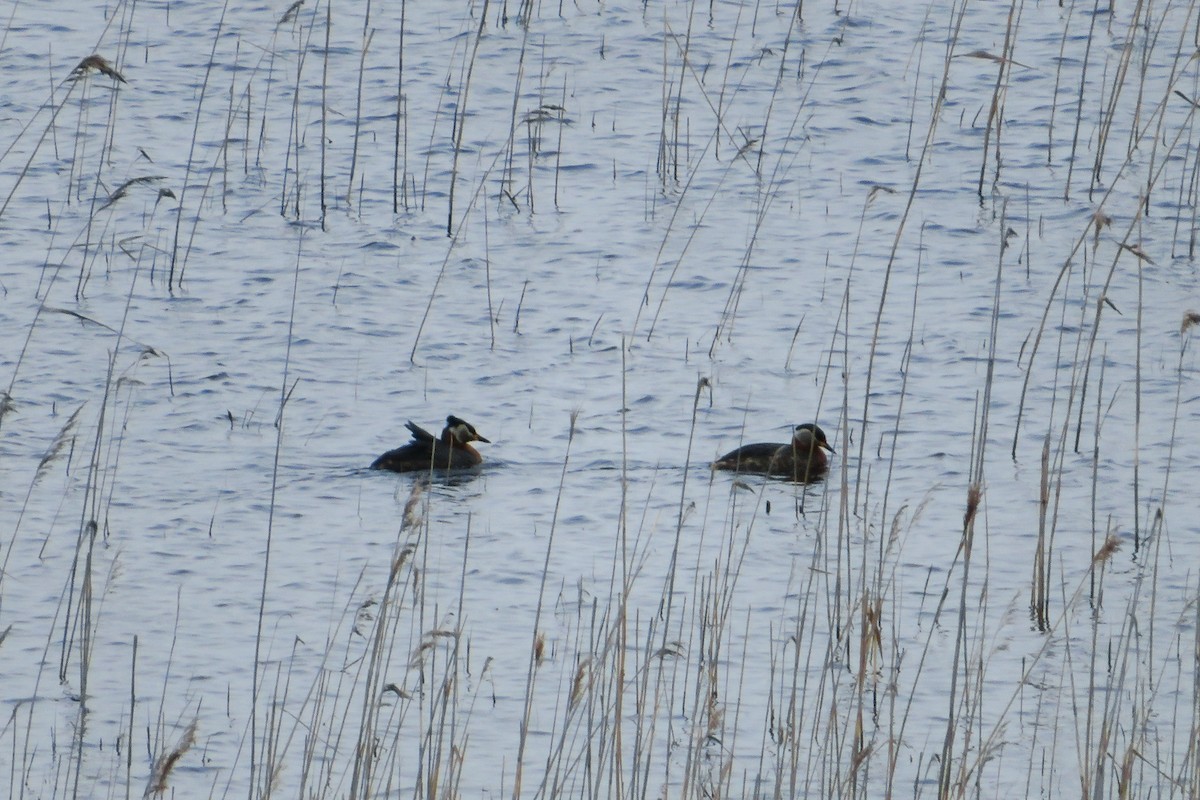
x=694 y=226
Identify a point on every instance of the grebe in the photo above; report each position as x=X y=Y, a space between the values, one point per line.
x=803 y=460
x=452 y=451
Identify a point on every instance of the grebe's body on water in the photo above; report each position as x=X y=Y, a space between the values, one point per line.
x=427 y=452
x=802 y=460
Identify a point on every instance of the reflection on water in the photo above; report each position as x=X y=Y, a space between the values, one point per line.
x=620 y=241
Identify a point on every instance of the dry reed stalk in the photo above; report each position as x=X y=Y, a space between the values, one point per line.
x=1099 y=220
x=460 y=116
x=267 y=552
x=229 y=123
x=1039 y=601
x=365 y=764
x=412 y=354
x=905 y=370
x=324 y=171
x=367 y=35
x=132 y=708
x=966 y=668
x=926 y=151
x=400 y=140
x=174 y=282
x=508 y=168
x=65 y=434
x=999 y=94
x=291 y=163
x=531 y=670
x=487 y=278
x=560 y=112
x=50 y=126
x=165 y=764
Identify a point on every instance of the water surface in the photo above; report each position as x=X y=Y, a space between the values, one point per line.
x=620 y=239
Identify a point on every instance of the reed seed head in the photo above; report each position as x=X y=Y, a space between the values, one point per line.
x=1107 y=550
x=100 y=64
x=165 y=764
x=974 y=493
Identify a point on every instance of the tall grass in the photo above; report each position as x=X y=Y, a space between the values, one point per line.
x=667 y=675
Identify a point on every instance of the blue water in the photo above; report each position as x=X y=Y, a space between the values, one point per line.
x=683 y=254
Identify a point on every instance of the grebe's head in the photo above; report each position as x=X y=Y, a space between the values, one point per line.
x=462 y=431
x=809 y=435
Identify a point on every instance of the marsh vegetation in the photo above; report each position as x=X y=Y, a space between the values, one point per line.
x=241 y=246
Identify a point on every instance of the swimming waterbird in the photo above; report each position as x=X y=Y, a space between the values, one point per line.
x=425 y=452
x=803 y=460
